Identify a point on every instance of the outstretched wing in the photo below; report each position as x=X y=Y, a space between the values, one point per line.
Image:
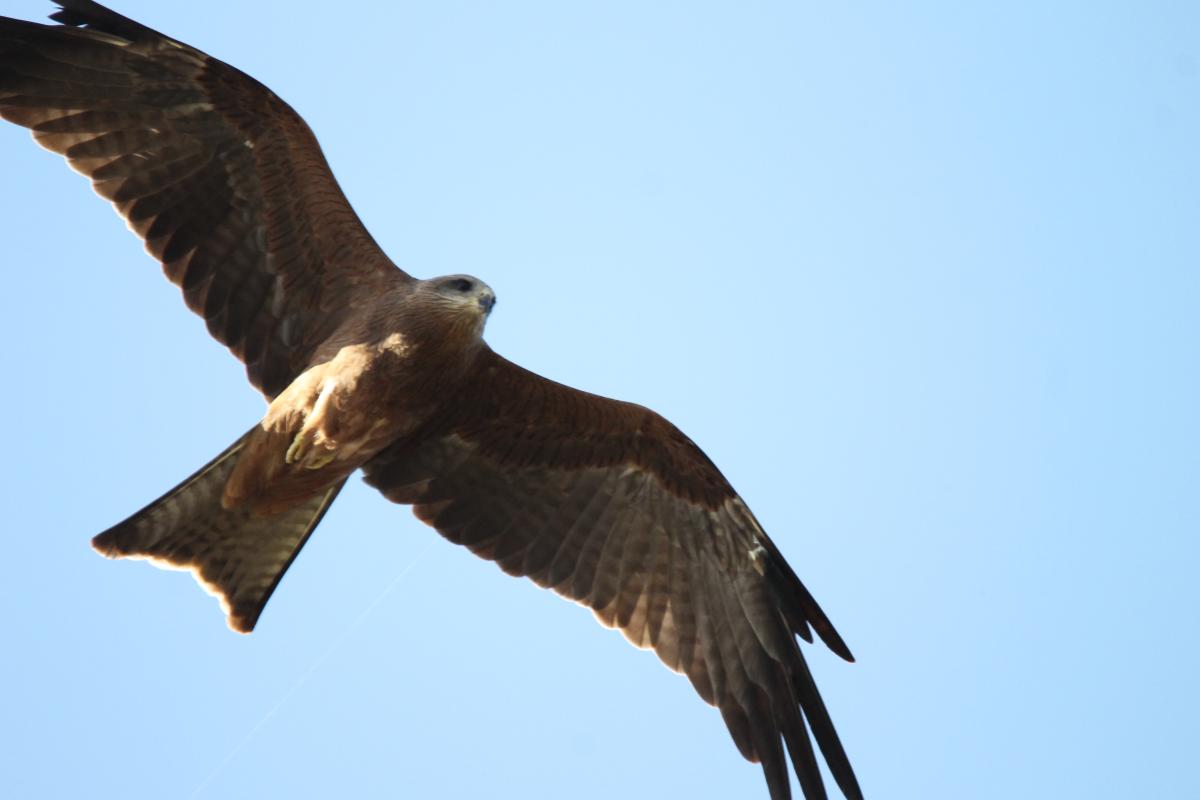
x=610 y=505
x=222 y=179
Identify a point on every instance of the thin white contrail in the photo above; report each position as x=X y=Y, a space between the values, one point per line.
x=309 y=672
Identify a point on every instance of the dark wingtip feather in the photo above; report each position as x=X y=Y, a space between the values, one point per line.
x=88 y=14
x=801 y=608
x=831 y=638
x=804 y=758
x=80 y=12
x=821 y=726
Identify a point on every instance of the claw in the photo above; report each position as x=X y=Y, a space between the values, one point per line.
x=319 y=461
x=310 y=432
x=297 y=449
x=302 y=452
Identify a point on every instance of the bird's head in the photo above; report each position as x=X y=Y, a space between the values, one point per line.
x=465 y=299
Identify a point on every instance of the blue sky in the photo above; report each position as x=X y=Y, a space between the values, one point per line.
x=923 y=281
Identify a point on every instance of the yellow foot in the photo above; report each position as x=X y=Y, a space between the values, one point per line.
x=311 y=436
x=303 y=452
x=298 y=448
x=319 y=461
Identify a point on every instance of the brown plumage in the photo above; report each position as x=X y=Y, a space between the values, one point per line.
x=363 y=366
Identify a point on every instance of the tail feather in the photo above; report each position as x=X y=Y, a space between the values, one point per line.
x=235 y=554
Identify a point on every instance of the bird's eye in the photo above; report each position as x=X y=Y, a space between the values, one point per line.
x=460 y=285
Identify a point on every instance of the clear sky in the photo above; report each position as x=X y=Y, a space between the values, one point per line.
x=924 y=282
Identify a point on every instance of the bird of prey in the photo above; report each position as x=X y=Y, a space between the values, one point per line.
x=366 y=367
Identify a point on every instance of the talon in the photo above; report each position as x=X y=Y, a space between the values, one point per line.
x=319 y=461
x=298 y=448
x=310 y=434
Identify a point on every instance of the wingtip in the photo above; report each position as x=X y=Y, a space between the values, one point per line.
x=829 y=635
x=92 y=15
x=69 y=10
x=831 y=638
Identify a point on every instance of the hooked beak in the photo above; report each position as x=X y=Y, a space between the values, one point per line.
x=486 y=301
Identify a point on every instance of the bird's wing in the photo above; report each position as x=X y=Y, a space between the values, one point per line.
x=610 y=505
x=223 y=181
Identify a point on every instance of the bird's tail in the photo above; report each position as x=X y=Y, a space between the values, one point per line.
x=235 y=554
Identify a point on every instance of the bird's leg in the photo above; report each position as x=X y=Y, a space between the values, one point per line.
x=310 y=433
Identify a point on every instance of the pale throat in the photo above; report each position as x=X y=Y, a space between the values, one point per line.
x=396 y=343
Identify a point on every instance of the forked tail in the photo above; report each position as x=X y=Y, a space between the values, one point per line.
x=236 y=555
